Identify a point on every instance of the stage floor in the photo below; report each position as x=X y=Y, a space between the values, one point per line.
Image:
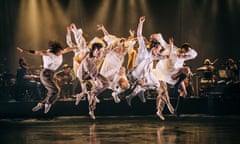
x=104 y=108
x=200 y=129
x=211 y=105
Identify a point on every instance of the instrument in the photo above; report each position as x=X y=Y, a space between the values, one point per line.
x=214 y=61
x=209 y=67
x=34 y=78
x=203 y=68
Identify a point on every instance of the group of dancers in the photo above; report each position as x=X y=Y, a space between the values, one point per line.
x=101 y=63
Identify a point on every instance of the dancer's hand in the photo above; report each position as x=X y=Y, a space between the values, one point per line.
x=100 y=27
x=142 y=19
x=19 y=49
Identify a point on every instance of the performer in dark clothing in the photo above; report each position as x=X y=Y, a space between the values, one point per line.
x=26 y=83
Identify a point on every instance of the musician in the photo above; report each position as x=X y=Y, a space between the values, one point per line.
x=208 y=78
x=208 y=70
x=208 y=65
x=232 y=69
x=25 y=81
x=65 y=78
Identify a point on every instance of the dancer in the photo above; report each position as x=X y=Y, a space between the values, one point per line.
x=162 y=99
x=52 y=59
x=142 y=74
x=132 y=51
x=79 y=53
x=172 y=70
x=88 y=71
x=80 y=42
x=84 y=88
x=114 y=59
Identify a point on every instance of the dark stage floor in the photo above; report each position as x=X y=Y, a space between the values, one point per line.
x=189 y=129
x=221 y=99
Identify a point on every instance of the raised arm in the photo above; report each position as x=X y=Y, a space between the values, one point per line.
x=131 y=34
x=159 y=38
x=73 y=27
x=142 y=49
x=110 y=39
x=68 y=37
x=140 y=25
x=131 y=41
x=100 y=27
x=78 y=35
x=171 y=45
x=191 y=54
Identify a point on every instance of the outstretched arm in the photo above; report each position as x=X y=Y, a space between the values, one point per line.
x=33 y=52
x=68 y=49
x=44 y=52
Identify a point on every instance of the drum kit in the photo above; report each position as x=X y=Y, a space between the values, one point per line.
x=210 y=77
x=206 y=77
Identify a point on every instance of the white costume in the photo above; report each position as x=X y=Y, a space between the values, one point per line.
x=113 y=61
x=52 y=62
x=115 y=86
x=167 y=67
x=144 y=64
x=82 y=48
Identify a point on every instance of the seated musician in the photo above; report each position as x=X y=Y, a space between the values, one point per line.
x=26 y=83
x=208 y=71
x=65 y=80
x=232 y=70
x=209 y=65
x=208 y=78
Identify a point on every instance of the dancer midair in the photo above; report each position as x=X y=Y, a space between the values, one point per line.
x=52 y=59
x=88 y=71
x=142 y=73
x=172 y=70
x=113 y=61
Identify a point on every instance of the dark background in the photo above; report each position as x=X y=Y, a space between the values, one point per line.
x=210 y=26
